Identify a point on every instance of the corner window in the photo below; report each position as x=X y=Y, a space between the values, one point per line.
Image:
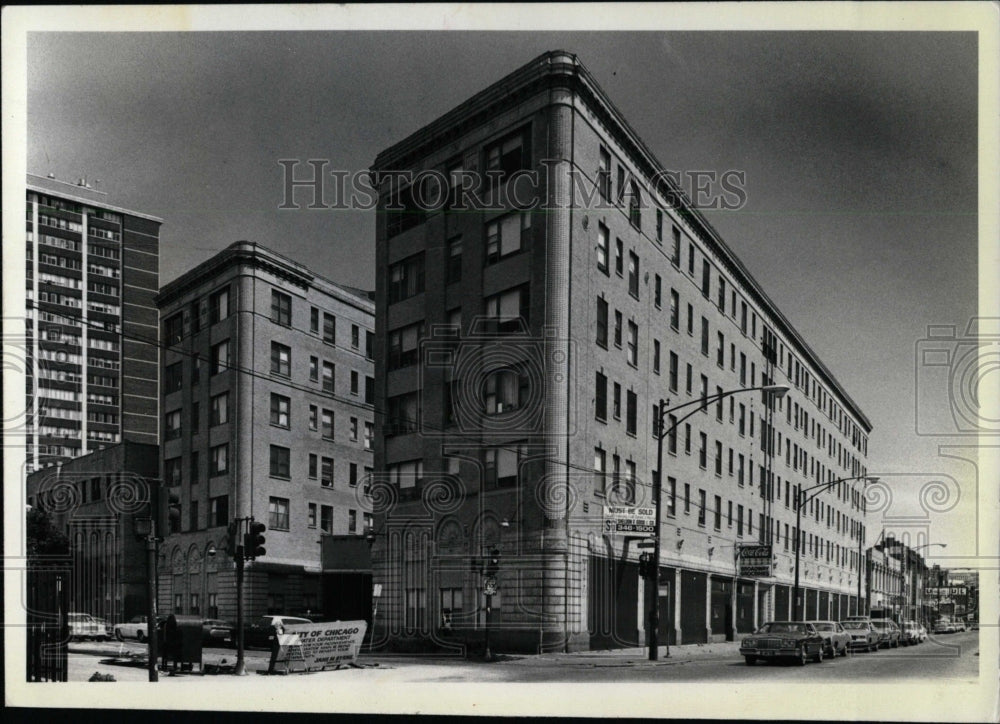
x=281 y=308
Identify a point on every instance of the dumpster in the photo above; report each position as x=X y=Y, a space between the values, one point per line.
x=182 y=638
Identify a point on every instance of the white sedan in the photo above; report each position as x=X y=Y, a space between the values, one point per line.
x=136 y=628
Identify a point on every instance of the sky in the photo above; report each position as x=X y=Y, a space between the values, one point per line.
x=859 y=152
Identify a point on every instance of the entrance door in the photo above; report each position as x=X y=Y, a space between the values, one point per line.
x=693 y=628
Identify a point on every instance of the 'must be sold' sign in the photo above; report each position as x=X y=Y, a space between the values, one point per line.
x=321 y=645
x=629 y=519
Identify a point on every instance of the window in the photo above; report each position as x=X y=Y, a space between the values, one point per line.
x=687 y=497
x=355 y=337
x=281 y=308
x=673 y=372
x=672 y=434
x=219 y=510
x=659 y=226
x=619 y=257
x=604 y=174
x=328 y=377
x=279 y=410
x=602 y=248
x=326 y=472
x=218 y=306
x=602 y=322
x=690 y=320
x=703 y=450
x=631 y=410
x=601 y=397
x=633 y=344
x=369 y=436
x=193 y=515
x=277 y=513
x=706 y=278
x=633 y=274
x=600 y=469
x=722 y=294
x=352 y=474
x=505 y=311
x=701 y=507
x=657 y=291
x=354 y=429
x=508 y=155
x=617 y=401
x=403 y=414
x=675 y=313
x=403 y=211
x=195 y=468
x=313 y=417
x=635 y=205
x=718 y=458
x=172 y=426
x=656 y=356
x=314 y=369
x=717 y=519
x=352 y=521
x=404 y=346
x=281 y=359
x=618 y=329
x=313 y=466
x=326 y=519
x=507 y=235
x=280 y=457
x=171 y=473
x=173 y=329
x=329 y=328
x=453 y=270
x=355 y=381
x=675 y=258
x=327 y=429
x=313 y=321
x=720 y=353
x=505 y=390
x=173 y=377
x=691 y=259
x=220 y=409
x=311 y=516
x=406 y=278
x=739 y=523
x=369 y=344
x=704 y=336
x=451 y=604
x=220 y=459
x=501 y=465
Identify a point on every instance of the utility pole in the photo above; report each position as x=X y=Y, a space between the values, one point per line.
x=236 y=538
x=151 y=633
x=654 y=579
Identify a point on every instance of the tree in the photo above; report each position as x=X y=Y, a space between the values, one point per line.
x=44 y=538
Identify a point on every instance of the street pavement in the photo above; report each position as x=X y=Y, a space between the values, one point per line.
x=952 y=656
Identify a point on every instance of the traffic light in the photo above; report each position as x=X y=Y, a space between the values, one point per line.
x=168 y=512
x=645 y=565
x=253 y=542
x=232 y=539
x=493 y=562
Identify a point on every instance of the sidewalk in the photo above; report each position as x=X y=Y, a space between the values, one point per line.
x=636 y=656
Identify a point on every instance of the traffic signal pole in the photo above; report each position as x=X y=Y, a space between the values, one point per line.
x=151 y=632
x=241 y=668
x=654 y=578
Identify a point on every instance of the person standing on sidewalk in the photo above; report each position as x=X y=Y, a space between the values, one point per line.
x=279 y=629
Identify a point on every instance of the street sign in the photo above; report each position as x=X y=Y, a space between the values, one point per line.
x=376 y=590
x=629 y=519
x=754 y=560
x=490 y=585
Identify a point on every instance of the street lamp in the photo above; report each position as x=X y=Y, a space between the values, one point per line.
x=917 y=548
x=662 y=431
x=800 y=500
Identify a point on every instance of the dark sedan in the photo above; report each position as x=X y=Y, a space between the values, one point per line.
x=796 y=640
x=888 y=632
x=216 y=632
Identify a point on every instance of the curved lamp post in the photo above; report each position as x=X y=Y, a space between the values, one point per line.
x=800 y=500
x=661 y=432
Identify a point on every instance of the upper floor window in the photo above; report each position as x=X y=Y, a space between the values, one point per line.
x=603 y=248
x=507 y=310
x=403 y=212
x=453 y=270
x=219 y=305
x=281 y=308
x=173 y=329
x=507 y=235
x=404 y=346
x=277 y=513
x=220 y=357
x=329 y=328
x=406 y=278
x=633 y=274
x=508 y=155
x=281 y=359
x=675 y=258
x=604 y=175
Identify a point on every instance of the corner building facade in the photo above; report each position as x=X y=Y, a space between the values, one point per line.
x=267 y=399
x=528 y=337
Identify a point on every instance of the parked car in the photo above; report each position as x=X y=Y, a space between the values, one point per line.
x=922 y=632
x=959 y=625
x=796 y=640
x=85 y=626
x=216 y=632
x=909 y=633
x=261 y=632
x=943 y=626
x=973 y=625
x=863 y=636
x=836 y=639
x=134 y=628
x=888 y=632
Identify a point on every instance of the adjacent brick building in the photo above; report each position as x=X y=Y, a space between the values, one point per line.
x=267 y=403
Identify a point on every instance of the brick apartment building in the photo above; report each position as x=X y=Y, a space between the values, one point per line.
x=267 y=403
x=528 y=337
